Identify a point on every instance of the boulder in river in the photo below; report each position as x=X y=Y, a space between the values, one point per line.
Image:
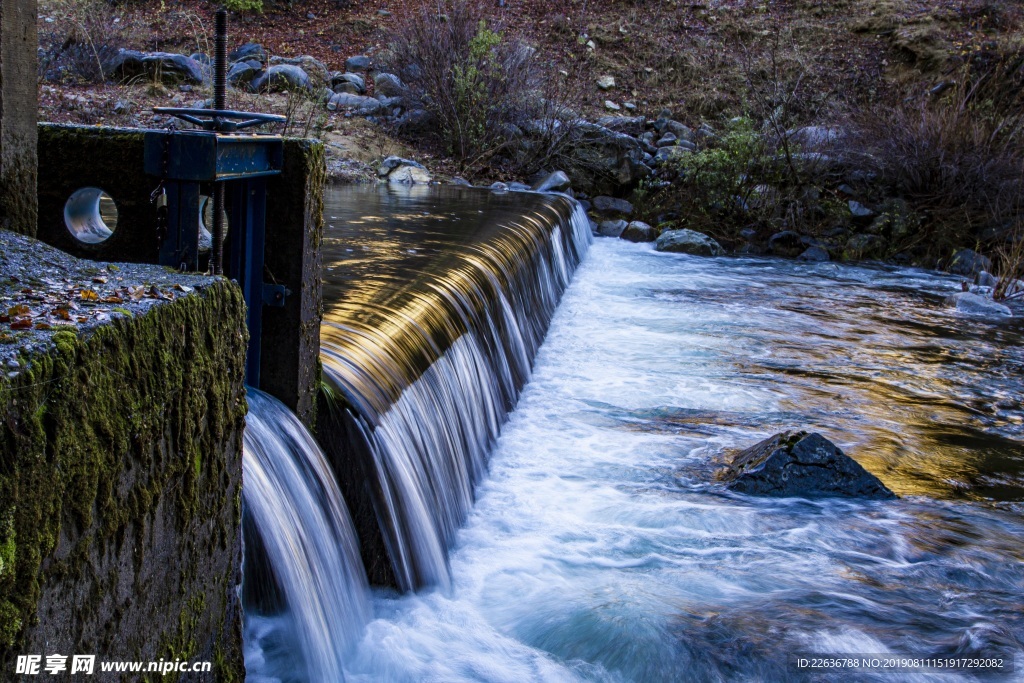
x=688 y=242
x=638 y=231
x=802 y=465
x=975 y=304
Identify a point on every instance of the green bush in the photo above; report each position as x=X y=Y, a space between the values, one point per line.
x=243 y=5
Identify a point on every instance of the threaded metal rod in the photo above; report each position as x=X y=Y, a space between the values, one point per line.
x=220 y=60
x=220 y=69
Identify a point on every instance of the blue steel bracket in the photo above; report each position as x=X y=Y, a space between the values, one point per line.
x=274 y=295
x=204 y=157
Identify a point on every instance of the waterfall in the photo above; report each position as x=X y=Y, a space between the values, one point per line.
x=306 y=590
x=428 y=365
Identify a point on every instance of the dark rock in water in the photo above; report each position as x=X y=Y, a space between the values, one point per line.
x=786 y=243
x=802 y=465
x=688 y=242
x=638 y=231
x=974 y=304
x=610 y=206
x=611 y=228
x=968 y=262
x=813 y=254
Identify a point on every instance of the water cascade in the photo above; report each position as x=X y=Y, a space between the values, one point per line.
x=429 y=349
x=308 y=558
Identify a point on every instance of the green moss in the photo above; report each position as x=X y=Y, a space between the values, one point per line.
x=66 y=342
x=149 y=401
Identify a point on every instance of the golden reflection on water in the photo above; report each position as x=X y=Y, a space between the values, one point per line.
x=402 y=269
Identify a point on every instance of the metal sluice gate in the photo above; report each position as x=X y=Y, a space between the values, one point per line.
x=234 y=168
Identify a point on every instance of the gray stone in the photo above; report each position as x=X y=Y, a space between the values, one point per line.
x=638 y=231
x=355 y=79
x=630 y=125
x=461 y=182
x=814 y=254
x=667 y=140
x=357 y=63
x=679 y=130
x=393 y=162
x=606 y=82
x=313 y=67
x=409 y=175
x=859 y=211
x=248 y=51
x=241 y=74
x=611 y=106
x=360 y=104
x=969 y=263
x=282 y=78
x=687 y=241
x=347 y=88
x=975 y=304
x=612 y=206
x=557 y=181
x=519 y=187
x=388 y=85
x=802 y=465
x=611 y=228
x=986 y=279
x=166 y=67
x=786 y=243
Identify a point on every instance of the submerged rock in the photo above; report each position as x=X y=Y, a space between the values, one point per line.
x=975 y=304
x=688 y=242
x=638 y=231
x=611 y=228
x=802 y=465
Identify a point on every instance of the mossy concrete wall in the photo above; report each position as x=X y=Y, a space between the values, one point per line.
x=72 y=157
x=120 y=480
x=18 y=105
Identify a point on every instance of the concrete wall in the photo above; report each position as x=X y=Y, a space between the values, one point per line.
x=18 y=106
x=120 y=474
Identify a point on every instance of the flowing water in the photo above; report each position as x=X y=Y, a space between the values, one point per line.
x=294 y=513
x=600 y=546
x=436 y=302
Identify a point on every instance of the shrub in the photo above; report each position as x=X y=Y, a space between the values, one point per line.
x=958 y=160
x=243 y=5
x=480 y=85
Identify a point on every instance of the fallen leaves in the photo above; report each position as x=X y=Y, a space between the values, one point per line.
x=63 y=304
